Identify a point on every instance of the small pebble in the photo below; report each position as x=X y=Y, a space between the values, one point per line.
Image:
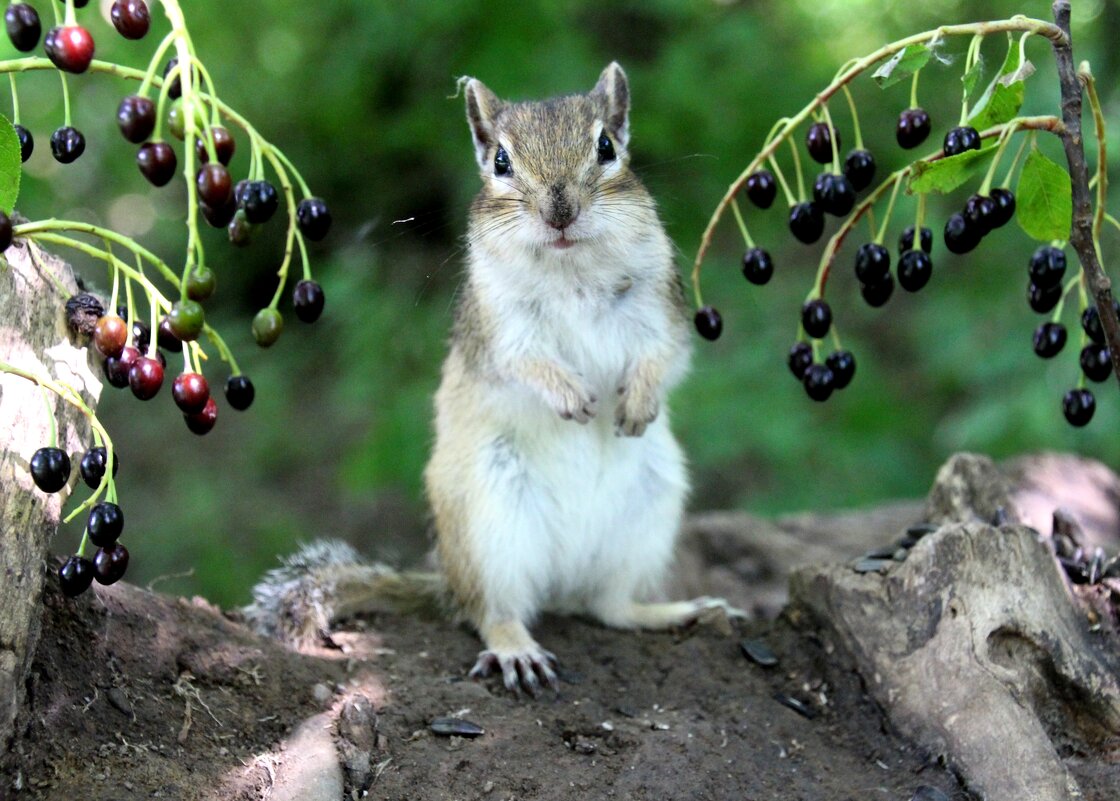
x=455 y=727
x=321 y=693
x=873 y=565
x=927 y=793
x=797 y=706
x=119 y=700
x=900 y=555
x=758 y=652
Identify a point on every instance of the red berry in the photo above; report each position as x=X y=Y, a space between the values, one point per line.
x=166 y=337
x=219 y=216
x=117 y=368
x=69 y=47
x=131 y=18
x=201 y=422
x=136 y=117
x=157 y=162
x=110 y=563
x=110 y=335
x=190 y=392
x=24 y=28
x=145 y=377
x=224 y=145
x=214 y=185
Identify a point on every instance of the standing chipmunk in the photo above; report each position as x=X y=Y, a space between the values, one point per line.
x=555 y=481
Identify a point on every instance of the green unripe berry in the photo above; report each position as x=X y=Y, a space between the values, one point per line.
x=267 y=327
x=186 y=320
x=201 y=283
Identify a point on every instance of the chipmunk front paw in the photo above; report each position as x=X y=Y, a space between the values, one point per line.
x=635 y=411
x=576 y=403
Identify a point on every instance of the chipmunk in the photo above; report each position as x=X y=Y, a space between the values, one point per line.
x=555 y=482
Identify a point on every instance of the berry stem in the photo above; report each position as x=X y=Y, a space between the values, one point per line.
x=15 y=98
x=1070 y=284
x=71 y=17
x=153 y=65
x=52 y=437
x=65 y=98
x=57 y=9
x=914 y=90
x=797 y=170
x=1004 y=138
x=832 y=137
x=293 y=233
x=919 y=218
x=855 y=117
x=790 y=199
x=897 y=178
x=742 y=225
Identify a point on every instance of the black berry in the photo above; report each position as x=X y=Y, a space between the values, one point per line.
x=800 y=357
x=834 y=194
x=843 y=366
x=819 y=382
x=313 y=218
x=708 y=323
x=308 y=300
x=131 y=18
x=960 y=139
x=877 y=294
x=758 y=267
x=816 y=318
x=1005 y=207
x=1095 y=362
x=1091 y=321
x=1047 y=266
x=906 y=239
x=69 y=47
x=24 y=28
x=110 y=564
x=979 y=212
x=157 y=162
x=873 y=263
x=859 y=167
x=914 y=270
x=239 y=392
x=136 y=117
x=819 y=141
x=913 y=127
x=960 y=237
x=67 y=144
x=26 y=142
x=175 y=90
x=92 y=466
x=50 y=469
x=1078 y=406
x=762 y=188
x=75 y=576
x=105 y=524
x=1043 y=298
x=259 y=201
x=806 y=222
x=1049 y=339
x=5 y=231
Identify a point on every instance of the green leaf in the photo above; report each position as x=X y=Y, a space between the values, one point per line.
x=972 y=77
x=901 y=65
x=945 y=175
x=1003 y=98
x=1044 y=204
x=10 y=166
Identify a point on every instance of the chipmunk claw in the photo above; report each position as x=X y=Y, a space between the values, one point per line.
x=528 y=671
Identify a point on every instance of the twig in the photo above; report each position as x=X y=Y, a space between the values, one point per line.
x=1081 y=230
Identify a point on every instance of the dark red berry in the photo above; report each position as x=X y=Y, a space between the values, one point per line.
x=873 y=263
x=50 y=469
x=708 y=323
x=157 y=162
x=819 y=382
x=259 y=200
x=1049 y=339
x=224 y=145
x=1005 y=207
x=26 y=142
x=313 y=218
x=136 y=117
x=960 y=237
x=24 y=28
x=105 y=524
x=131 y=18
x=816 y=318
x=67 y=144
x=914 y=270
x=75 y=576
x=818 y=139
x=186 y=320
x=219 y=216
x=267 y=327
x=960 y=139
x=201 y=283
x=1095 y=362
x=69 y=47
x=141 y=335
x=859 y=167
x=913 y=128
x=202 y=422
x=762 y=188
x=240 y=230
x=214 y=185
x=308 y=300
x=1043 y=298
x=117 y=367
x=1078 y=406
x=92 y=466
x=166 y=337
x=806 y=222
x=758 y=267
x=906 y=239
x=5 y=231
x=980 y=212
x=877 y=294
x=190 y=392
x=1047 y=266
x=110 y=335
x=834 y=194
x=843 y=366
x=800 y=357
x=240 y=392
x=110 y=564
x=145 y=377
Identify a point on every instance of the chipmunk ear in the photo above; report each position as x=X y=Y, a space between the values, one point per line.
x=482 y=109
x=614 y=93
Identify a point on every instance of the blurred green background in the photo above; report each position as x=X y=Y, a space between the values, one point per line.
x=360 y=95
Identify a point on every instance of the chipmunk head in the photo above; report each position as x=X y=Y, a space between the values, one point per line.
x=554 y=172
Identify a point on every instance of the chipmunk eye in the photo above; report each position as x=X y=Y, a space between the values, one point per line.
x=501 y=162
x=606 y=149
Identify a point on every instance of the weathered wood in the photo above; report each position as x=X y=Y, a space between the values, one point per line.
x=33 y=336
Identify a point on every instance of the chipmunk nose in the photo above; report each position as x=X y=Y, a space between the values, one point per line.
x=560 y=210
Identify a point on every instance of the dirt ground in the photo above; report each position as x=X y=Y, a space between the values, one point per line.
x=136 y=695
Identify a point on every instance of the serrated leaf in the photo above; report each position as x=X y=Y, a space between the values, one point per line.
x=945 y=175
x=10 y=166
x=901 y=65
x=1003 y=98
x=1043 y=199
